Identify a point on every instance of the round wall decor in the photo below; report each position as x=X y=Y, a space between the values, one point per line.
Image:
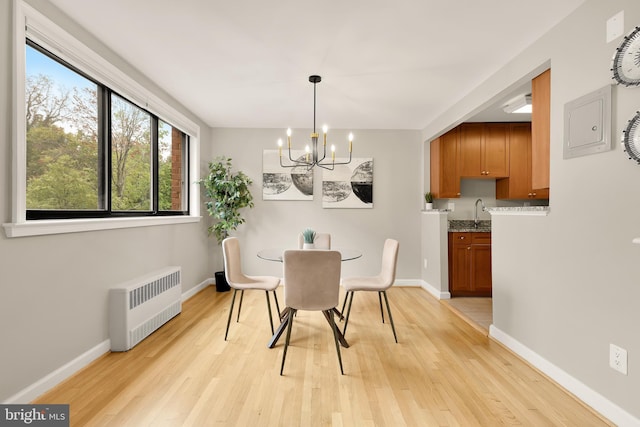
x=631 y=138
x=626 y=60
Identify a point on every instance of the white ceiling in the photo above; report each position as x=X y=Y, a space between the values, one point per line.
x=385 y=64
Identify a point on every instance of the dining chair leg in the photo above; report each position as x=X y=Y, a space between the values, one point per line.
x=380 y=299
x=390 y=318
x=335 y=338
x=233 y=299
x=346 y=320
x=240 y=304
x=286 y=342
x=344 y=303
x=270 y=315
x=275 y=297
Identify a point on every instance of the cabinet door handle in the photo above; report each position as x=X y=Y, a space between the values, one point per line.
x=468 y=248
x=461 y=237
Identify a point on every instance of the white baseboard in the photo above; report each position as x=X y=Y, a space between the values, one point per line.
x=62 y=373
x=46 y=383
x=191 y=292
x=418 y=283
x=598 y=402
x=434 y=291
x=407 y=283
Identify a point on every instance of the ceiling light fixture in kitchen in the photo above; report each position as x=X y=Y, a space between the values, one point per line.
x=519 y=104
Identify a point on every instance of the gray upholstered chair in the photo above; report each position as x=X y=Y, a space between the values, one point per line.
x=241 y=282
x=312 y=282
x=379 y=283
x=322 y=241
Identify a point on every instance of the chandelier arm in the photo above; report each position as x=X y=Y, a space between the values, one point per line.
x=326 y=165
x=343 y=163
x=324 y=154
x=295 y=162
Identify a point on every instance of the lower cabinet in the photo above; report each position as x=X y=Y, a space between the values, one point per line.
x=470 y=264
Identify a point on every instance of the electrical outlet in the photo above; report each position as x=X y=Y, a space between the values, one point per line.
x=451 y=206
x=425 y=263
x=618 y=358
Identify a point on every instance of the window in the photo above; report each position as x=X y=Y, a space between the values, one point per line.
x=93 y=149
x=69 y=174
x=61 y=130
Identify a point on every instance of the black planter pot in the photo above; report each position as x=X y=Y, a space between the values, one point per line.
x=221 y=282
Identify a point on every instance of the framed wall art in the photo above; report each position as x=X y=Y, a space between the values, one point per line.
x=349 y=186
x=280 y=183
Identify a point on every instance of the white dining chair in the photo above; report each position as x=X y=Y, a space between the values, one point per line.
x=312 y=282
x=379 y=283
x=241 y=282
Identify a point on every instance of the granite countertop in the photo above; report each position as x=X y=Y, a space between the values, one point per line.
x=467 y=225
x=519 y=210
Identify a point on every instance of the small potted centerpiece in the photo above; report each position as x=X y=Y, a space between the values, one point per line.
x=428 y=200
x=309 y=236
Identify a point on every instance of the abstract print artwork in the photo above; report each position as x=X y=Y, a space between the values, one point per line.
x=348 y=186
x=280 y=183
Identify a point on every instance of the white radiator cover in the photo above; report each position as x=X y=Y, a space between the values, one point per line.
x=140 y=306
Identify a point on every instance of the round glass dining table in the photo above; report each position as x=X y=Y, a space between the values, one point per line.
x=275 y=254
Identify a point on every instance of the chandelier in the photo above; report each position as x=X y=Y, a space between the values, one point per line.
x=312 y=154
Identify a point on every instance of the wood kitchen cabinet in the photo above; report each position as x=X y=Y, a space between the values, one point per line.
x=445 y=179
x=484 y=150
x=470 y=264
x=518 y=185
x=540 y=131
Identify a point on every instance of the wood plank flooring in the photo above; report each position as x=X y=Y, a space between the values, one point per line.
x=442 y=372
x=478 y=312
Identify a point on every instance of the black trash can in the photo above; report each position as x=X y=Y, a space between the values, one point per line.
x=221 y=282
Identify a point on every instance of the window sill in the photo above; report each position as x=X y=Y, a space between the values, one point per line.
x=44 y=227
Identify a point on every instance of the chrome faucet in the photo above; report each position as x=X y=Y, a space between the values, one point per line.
x=475 y=212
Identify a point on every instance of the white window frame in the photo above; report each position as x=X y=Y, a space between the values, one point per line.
x=29 y=22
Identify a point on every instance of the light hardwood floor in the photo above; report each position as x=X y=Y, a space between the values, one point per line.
x=442 y=372
x=478 y=312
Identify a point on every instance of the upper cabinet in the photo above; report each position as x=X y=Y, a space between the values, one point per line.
x=515 y=154
x=484 y=150
x=518 y=185
x=445 y=179
x=540 y=129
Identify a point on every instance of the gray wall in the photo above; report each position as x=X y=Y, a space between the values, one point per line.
x=53 y=289
x=397 y=181
x=566 y=285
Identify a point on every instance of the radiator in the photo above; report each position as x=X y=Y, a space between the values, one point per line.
x=140 y=306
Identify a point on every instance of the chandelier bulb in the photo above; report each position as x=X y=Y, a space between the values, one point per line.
x=325 y=129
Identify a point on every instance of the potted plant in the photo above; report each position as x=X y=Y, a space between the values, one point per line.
x=309 y=236
x=428 y=199
x=226 y=193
